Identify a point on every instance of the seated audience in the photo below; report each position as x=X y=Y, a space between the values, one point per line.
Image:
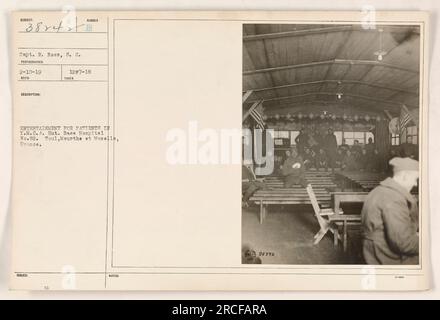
x=294 y=170
x=344 y=146
x=283 y=158
x=364 y=161
x=317 y=141
x=313 y=155
x=308 y=158
x=356 y=148
x=349 y=163
x=370 y=146
x=321 y=160
x=409 y=150
x=331 y=147
x=375 y=164
x=339 y=158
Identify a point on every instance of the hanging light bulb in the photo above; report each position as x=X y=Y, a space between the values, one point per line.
x=288 y=116
x=300 y=115
x=380 y=53
x=339 y=93
x=334 y=117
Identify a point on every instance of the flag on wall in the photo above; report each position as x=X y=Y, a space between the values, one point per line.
x=404 y=119
x=257 y=115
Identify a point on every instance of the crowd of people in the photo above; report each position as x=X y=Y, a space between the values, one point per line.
x=323 y=152
x=389 y=217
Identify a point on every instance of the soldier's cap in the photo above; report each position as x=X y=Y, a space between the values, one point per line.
x=404 y=164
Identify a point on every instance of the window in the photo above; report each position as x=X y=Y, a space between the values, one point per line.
x=362 y=137
x=293 y=135
x=281 y=138
x=369 y=135
x=338 y=135
x=359 y=136
x=411 y=135
x=281 y=135
x=395 y=139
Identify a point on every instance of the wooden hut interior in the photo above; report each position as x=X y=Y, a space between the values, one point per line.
x=363 y=83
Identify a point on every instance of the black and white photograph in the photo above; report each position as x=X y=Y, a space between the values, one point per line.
x=330 y=172
x=131 y=131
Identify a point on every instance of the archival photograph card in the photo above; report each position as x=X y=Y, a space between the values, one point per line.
x=220 y=150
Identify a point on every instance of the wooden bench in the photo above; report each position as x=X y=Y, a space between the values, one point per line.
x=366 y=180
x=277 y=194
x=317 y=179
x=281 y=196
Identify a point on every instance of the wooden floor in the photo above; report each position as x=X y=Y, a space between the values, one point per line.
x=286 y=237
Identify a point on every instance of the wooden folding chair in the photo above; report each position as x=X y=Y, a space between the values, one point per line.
x=324 y=224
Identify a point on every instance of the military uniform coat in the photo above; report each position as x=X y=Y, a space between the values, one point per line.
x=390 y=225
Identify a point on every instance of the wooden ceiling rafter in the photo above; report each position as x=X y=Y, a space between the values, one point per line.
x=319 y=103
x=296 y=33
x=332 y=61
x=317 y=77
x=337 y=54
x=305 y=32
x=357 y=96
x=266 y=57
x=246 y=95
x=336 y=81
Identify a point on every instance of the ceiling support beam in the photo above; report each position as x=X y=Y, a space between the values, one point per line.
x=319 y=103
x=305 y=32
x=390 y=117
x=296 y=33
x=246 y=95
x=334 y=61
x=337 y=82
x=305 y=108
x=356 y=96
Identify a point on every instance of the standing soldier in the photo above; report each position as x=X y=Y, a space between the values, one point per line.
x=302 y=141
